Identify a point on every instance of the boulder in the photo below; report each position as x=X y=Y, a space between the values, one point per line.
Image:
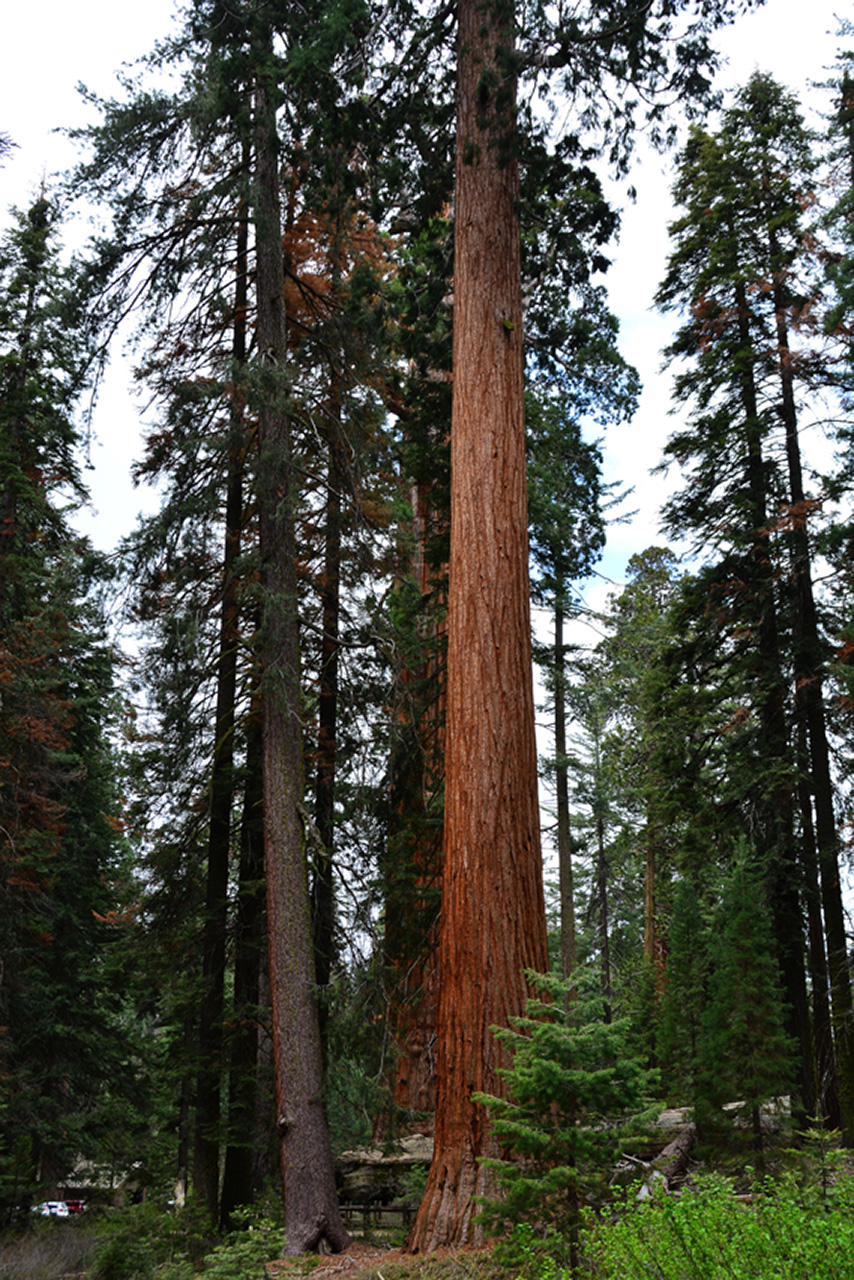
x=379 y=1175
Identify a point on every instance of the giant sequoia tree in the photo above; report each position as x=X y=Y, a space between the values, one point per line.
x=491 y=848
x=493 y=921
x=281 y=106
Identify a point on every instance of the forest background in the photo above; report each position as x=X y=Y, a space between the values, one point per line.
x=630 y=448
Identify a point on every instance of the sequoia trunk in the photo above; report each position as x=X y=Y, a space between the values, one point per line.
x=493 y=919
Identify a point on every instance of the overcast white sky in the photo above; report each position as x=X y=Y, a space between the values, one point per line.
x=49 y=47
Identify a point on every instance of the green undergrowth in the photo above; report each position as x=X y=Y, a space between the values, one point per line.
x=799 y=1227
x=146 y=1242
x=782 y=1231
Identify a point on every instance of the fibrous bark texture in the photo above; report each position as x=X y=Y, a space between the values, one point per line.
x=493 y=923
x=305 y=1156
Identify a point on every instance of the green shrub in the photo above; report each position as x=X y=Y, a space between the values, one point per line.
x=244 y=1255
x=711 y=1235
x=141 y=1239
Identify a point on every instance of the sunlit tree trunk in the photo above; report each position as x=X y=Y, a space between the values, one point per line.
x=568 y=943
x=493 y=917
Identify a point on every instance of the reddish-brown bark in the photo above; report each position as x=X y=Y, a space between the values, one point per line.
x=493 y=922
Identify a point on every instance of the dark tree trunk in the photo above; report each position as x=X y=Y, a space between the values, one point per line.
x=415 y=840
x=809 y=675
x=312 y=1216
x=185 y=1104
x=777 y=801
x=208 y=1098
x=237 y=1180
x=827 y=1094
x=568 y=943
x=322 y=888
x=493 y=919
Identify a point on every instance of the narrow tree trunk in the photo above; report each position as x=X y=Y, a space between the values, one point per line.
x=414 y=849
x=568 y=943
x=809 y=674
x=777 y=803
x=322 y=890
x=237 y=1180
x=604 y=939
x=649 y=898
x=207 y=1143
x=493 y=917
x=827 y=1094
x=305 y=1156
x=185 y=1102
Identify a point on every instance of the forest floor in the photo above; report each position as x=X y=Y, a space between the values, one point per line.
x=363 y=1261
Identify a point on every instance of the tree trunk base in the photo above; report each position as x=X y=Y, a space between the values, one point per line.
x=446 y=1217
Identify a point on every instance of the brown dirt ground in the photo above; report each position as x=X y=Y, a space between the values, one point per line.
x=361 y=1261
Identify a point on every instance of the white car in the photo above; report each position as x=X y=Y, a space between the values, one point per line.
x=52 y=1209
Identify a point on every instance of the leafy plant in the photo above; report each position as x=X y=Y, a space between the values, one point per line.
x=711 y=1235
x=244 y=1255
x=144 y=1239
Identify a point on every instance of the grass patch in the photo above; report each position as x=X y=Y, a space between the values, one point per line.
x=47 y=1250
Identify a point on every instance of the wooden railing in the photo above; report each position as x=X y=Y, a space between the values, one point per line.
x=372 y=1215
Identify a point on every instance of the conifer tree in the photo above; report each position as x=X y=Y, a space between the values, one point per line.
x=573 y=1091
x=65 y=1047
x=566 y=507
x=746 y=1054
x=639 y=624
x=741 y=259
x=680 y=1043
x=219 y=402
x=488 y=526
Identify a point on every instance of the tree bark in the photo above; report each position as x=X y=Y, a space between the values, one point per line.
x=414 y=841
x=322 y=888
x=604 y=932
x=827 y=1093
x=493 y=917
x=305 y=1155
